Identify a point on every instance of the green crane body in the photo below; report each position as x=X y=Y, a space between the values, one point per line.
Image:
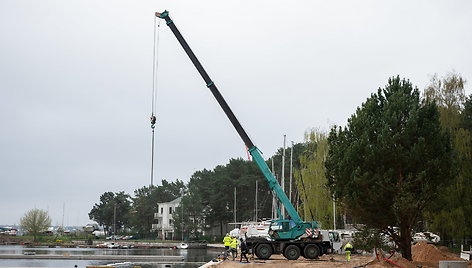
x=292 y=227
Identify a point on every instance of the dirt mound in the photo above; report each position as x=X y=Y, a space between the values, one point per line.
x=444 y=249
x=403 y=262
x=427 y=253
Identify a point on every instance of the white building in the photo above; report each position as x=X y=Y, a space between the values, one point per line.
x=164 y=222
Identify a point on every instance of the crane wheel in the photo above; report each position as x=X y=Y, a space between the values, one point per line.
x=264 y=251
x=292 y=252
x=311 y=251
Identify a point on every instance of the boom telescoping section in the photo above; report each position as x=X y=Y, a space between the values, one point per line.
x=300 y=225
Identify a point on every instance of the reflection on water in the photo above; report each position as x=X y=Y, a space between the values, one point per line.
x=191 y=256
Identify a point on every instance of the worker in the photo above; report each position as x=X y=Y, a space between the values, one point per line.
x=348 y=248
x=227 y=241
x=244 y=250
x=234 y=247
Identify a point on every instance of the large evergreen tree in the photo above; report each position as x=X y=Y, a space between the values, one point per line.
x=390 y=161
x=144 y=207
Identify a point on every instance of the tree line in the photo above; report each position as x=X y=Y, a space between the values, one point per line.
x=208 y=199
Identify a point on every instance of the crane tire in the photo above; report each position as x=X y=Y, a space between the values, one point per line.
x=264 y=251
x=311 y=251
x=292 y=252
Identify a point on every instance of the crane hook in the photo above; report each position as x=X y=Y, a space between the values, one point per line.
x=153 y=121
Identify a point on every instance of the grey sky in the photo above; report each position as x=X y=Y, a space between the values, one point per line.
x=76 y=81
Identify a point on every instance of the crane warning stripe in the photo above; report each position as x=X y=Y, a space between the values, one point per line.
x=311 y=232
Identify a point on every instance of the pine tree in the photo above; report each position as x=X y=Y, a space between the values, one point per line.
x=390 y=161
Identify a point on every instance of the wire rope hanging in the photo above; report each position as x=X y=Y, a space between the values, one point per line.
x=155 y=67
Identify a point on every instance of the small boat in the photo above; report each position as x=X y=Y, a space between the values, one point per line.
x=108 y=245
x=182 y=246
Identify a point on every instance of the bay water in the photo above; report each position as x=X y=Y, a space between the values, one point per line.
x=192 y=257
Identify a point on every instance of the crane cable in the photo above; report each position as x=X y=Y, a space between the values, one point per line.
x=155 y=67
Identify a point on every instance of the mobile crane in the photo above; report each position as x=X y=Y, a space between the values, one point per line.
x=291 y=236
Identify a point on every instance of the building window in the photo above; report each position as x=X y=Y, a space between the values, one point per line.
x=170 y=210
x=162 y=210
x=170 y=221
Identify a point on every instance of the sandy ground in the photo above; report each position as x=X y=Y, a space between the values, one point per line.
x=278 y=261
x=424 y=255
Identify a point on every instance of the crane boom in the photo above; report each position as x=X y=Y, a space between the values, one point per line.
x=253 y=150
x=292 y=236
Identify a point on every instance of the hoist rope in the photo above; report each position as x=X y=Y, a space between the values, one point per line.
x=155 y=63
x=155 y=67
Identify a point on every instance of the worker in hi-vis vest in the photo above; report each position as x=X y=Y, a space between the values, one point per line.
x=234 y=247
x=348 y=248
x=227 y=241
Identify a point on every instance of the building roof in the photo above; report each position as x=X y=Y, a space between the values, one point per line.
x=175 y=201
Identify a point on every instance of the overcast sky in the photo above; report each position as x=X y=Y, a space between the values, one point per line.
x=76 y=84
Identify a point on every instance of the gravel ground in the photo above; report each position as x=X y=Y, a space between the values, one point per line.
x=278 y=261
x=339 y=261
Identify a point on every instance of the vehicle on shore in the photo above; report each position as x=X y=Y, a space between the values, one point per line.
x=254 y=229
x=257 y=233
x=427 y=237
x=98 y=234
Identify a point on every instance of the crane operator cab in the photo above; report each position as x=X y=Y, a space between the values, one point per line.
x=288 y=229
x=280 y=226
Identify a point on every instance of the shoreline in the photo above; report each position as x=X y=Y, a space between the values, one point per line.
x=127 y=243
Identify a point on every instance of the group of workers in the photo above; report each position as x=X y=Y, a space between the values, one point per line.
x=231 y=246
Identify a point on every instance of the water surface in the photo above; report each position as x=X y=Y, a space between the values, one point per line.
x=192 y=257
